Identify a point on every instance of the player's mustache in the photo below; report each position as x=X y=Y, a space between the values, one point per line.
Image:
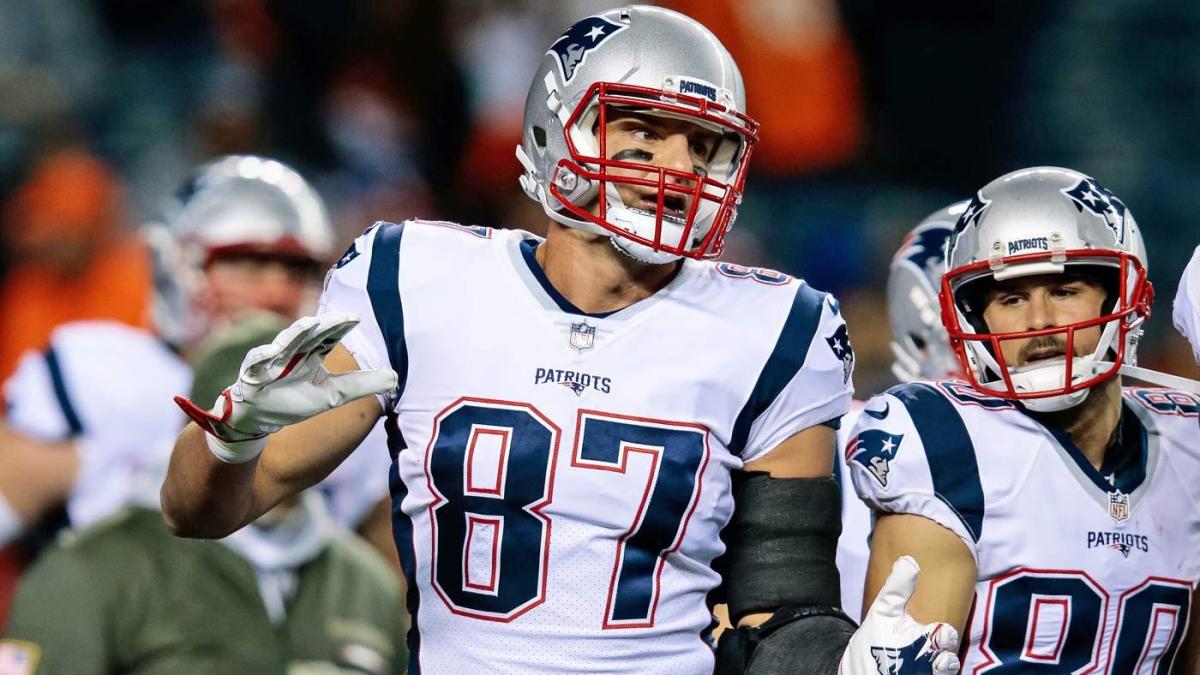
x=1039 y=344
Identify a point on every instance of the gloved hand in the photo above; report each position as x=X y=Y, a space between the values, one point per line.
x=1187 y=304
x=890 y=642
x=283 y=383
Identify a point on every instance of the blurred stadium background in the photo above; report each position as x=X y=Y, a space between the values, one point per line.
x=874 y=113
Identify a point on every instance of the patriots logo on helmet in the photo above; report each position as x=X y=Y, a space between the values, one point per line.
x=839 y=342
x=1090 y=195
x=926 y=248
x=970 y=216
x=575 y=44
x=874 y=450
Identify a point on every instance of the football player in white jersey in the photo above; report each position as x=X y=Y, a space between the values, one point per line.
x=1053 y=511
x=573 y=419
x=921 y=350
x=244 y=234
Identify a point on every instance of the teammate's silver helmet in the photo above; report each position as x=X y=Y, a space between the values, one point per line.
x=919 y=342
x=653 y=61
x=247 y=204
x=1045 y=220
x=234 y=205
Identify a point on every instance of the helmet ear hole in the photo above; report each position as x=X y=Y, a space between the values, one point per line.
x=539 y=137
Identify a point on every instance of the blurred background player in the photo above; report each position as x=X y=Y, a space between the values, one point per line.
x=1053 y=511
x=921 y=350
x=293 y=592
x=245 y=234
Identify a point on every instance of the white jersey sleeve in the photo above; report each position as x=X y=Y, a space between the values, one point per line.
x=120 y=419
x=812 y=365
x=37 y=400
x=854 y=545
x=909 y=452
x=1187 y=304
x=348 y=288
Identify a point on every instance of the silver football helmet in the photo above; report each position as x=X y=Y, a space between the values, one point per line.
x=234 y=205
x=1045 y=220
x=919 y=342
x=242 y=204
x=655 y=62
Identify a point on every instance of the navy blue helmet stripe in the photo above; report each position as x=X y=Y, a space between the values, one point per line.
x=785 y=361
x=383 y=288
x=60 y=393
x=949 y=450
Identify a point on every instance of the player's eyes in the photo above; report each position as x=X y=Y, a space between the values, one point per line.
x=645 y=134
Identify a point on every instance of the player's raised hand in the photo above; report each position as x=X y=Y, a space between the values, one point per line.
x=283 y=383
x=890 y=642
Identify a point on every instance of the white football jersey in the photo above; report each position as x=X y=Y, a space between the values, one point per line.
x=853 y=548
x=108 y=389
x=561 y=479
x=1079 y=570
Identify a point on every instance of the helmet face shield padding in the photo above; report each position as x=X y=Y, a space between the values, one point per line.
x=711 y=199
x=646 y=61
x=1039 y=209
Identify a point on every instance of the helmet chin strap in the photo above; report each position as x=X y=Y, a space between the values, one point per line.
x=1155 y=377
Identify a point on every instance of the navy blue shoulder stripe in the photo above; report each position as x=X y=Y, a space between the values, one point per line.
x=949 y=450
x=60 y=392
x=383 y=288
x=791 y=348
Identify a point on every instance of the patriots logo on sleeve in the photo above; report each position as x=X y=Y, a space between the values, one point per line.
x=874 y=450
x=839 y=342
x=1090 y=195
x=575 y=44
x=350 y=254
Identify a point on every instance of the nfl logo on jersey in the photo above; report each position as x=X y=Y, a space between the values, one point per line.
x=582 y=335
x=1118 y=506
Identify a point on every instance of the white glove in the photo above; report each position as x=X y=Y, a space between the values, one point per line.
x=890 y=642
x=1187 y=304
x=283 y=383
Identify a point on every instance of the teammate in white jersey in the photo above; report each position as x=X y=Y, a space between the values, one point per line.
x=573 y=419
x=921 y=350
x=245 y=234
x=1054 y=512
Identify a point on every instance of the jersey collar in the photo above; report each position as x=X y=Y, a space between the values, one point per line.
x=531 y=273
